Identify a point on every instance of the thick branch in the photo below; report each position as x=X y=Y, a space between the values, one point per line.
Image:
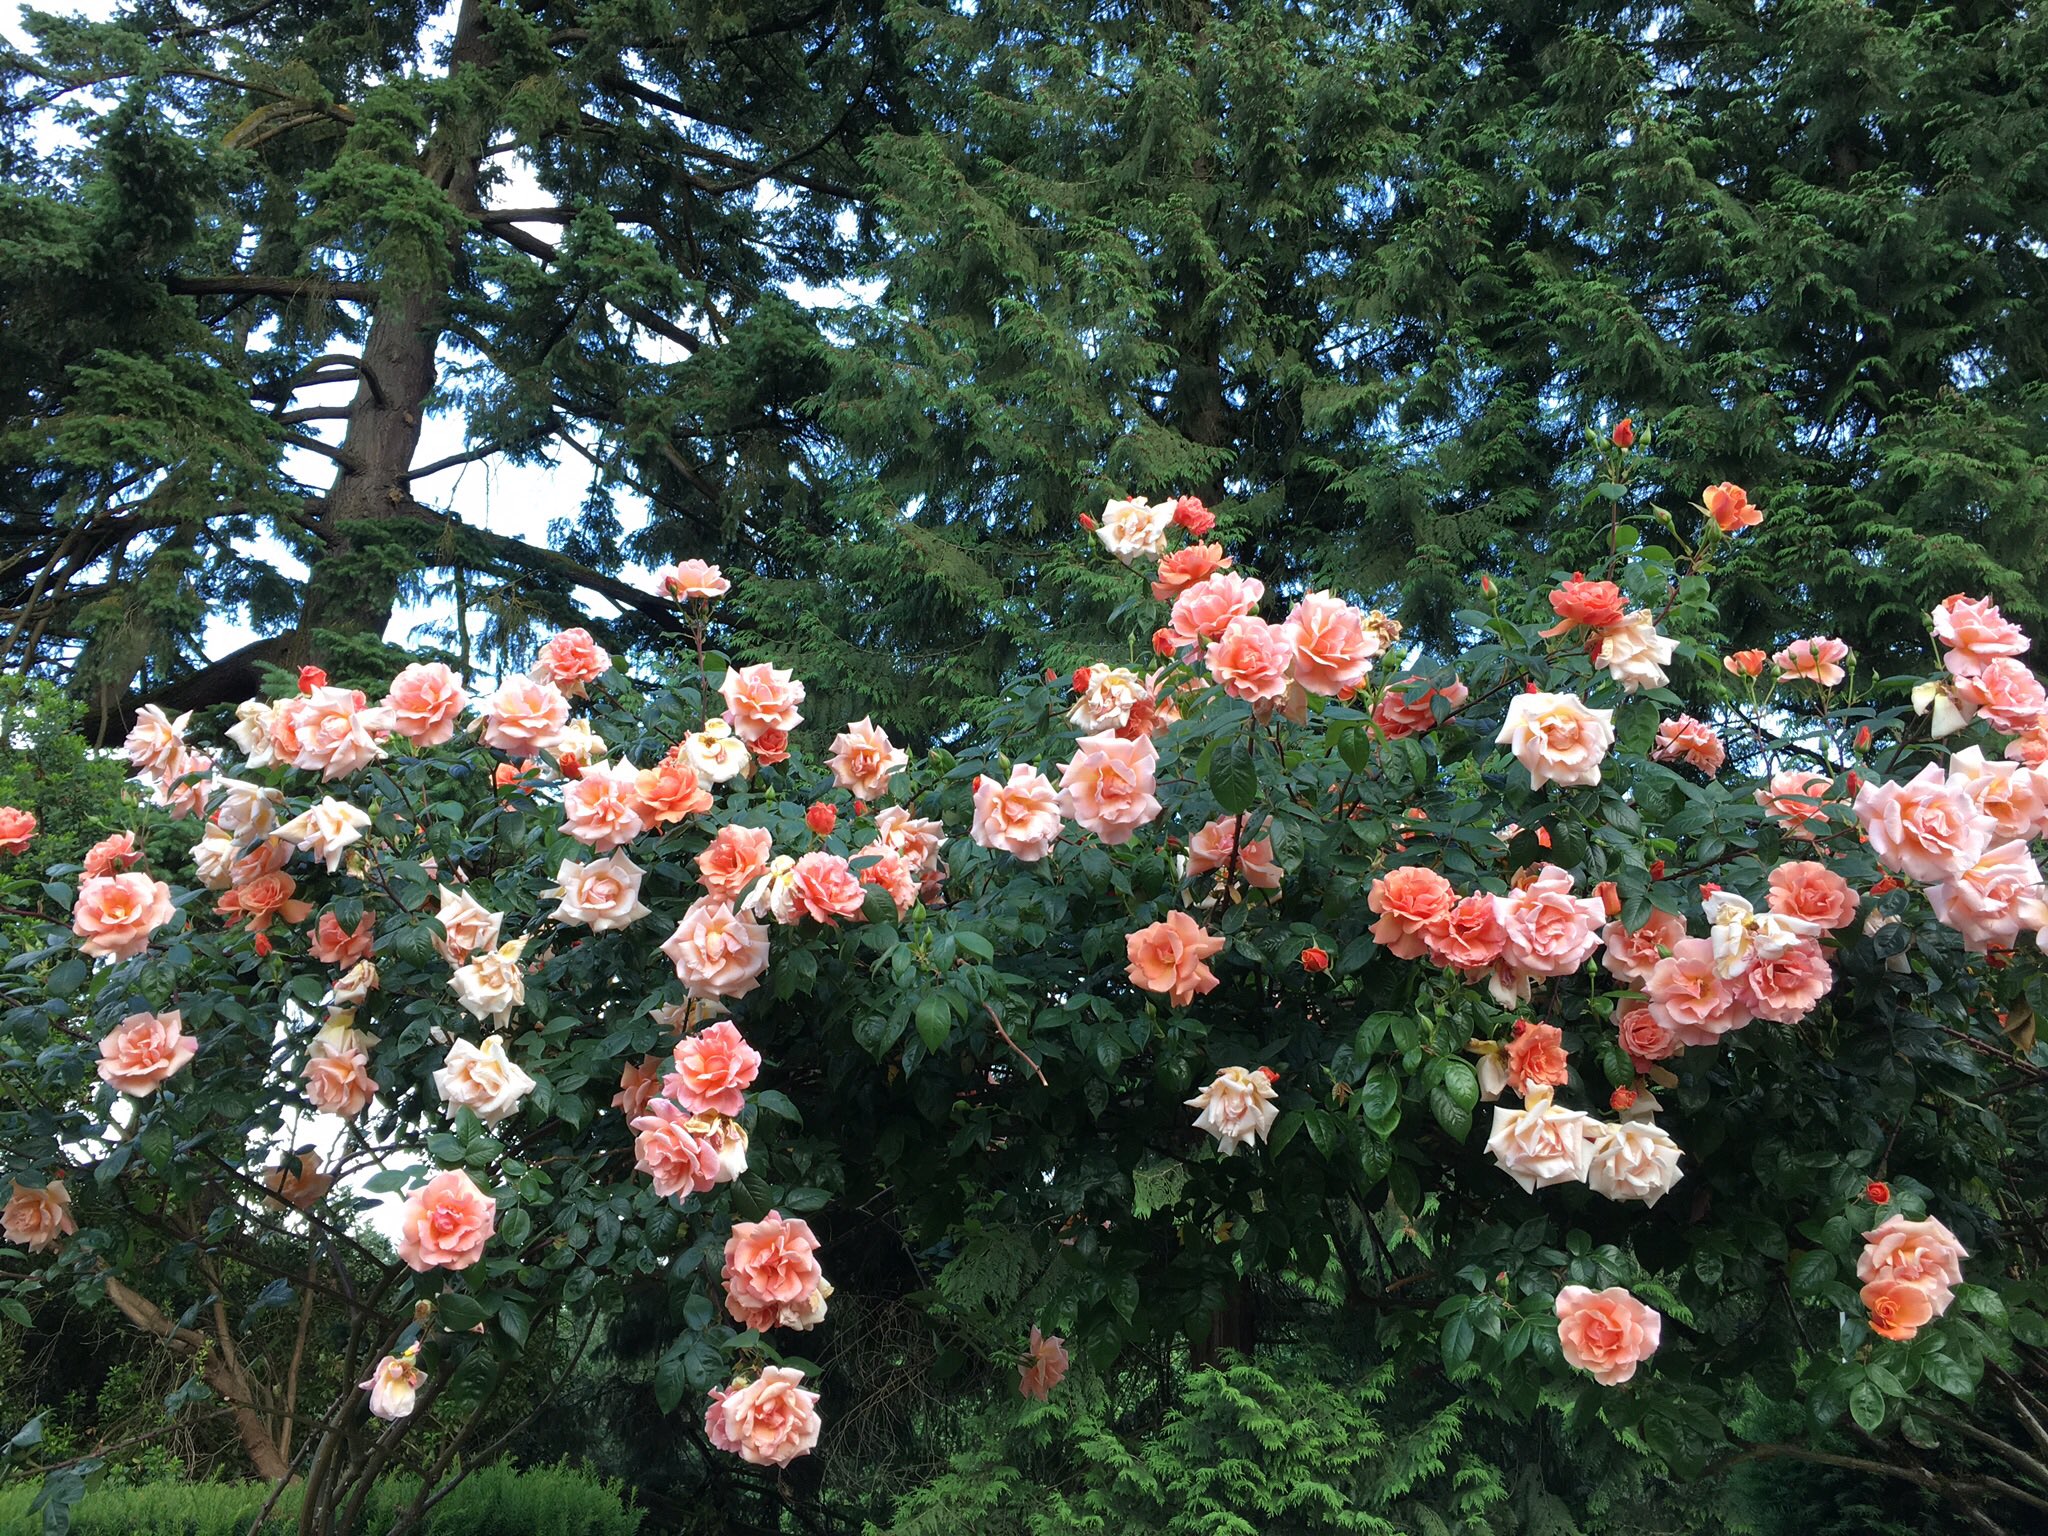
x=256 y=285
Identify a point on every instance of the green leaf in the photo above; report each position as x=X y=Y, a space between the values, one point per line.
x=934 y=1021
x=1866 y=1406
x=458 y=1311
x=1234 y=778
x=671 y=1381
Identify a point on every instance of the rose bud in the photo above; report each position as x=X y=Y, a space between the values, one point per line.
x=1081 y=678
x=1315 y=960
x=1486 y=584
x=262 y=946
x=1610 y=899
x=1622 y=1099
x=821 y=819
x=1624 y=434
x=1877 y=1192
x=1189 y=512
x=1656 y=869
x=311 y=678
x=571 y=768
x=1269 y=1074
x=1162 y=642
x=1863 y=738
x=1088 y=522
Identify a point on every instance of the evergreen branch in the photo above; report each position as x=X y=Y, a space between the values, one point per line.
x=632 y=309
x=254 y=285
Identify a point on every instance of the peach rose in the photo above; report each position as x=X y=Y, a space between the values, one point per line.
x=1817 y=659
x=1785 y=987
x=525 y=717
x=1634 y=654
x=1253 y=659
x=1206 y=608
x=602 y=808
x=338 y=1080
x=482 y=1079
x=1469 y=936
x=1237 y=1108
x=1536 y=1058
x=1728 y=505
x=1021 y=817
x=1975 y=634
x=1583 y=604
x=2030 y=748
x=760 y=699
x=445 y=1223
x=356 y=983
x=336 y=732
x=466 y=926
x=571 y=660
x=771 y=1270
x=675 y=1151
x=887 y=870
x=114 y=915
x=1398 y=715
x=2007 y=695
x=1646 y=1037
x=1796 y=797
x=1107 y=696
x=713 y=1070
x=1408 y=900
x=155 y=742
x=1630 y=956
x=771 y=1420
x=1557 y=738
x=1541 y=1145
x=1547 y=931
x=1215 y=847
x=263 y=900
x=826 y=888
x=1333 y=650
x=669 y=792
x=1108 y=786
x=297 y=1181
x=638 y=1084
x=1686 y=740
x=394 y=1386
x=736 y=857
x=1925 y=829
x=336 y=945
x=1812 y=893
x=1690 y=999
x=716 y=951
x=17 y=829
x=1169 y=957
x=1920 y=1253
x=1044 y=1365
x=691 y=581
x=143 y=1050
x=1994 y=899
x=38 y=1219
x=326 y=830
x=1744 y=664
x=1184 y=567
x=917 y=839
x=1635 y=1160
x=1898 y=1308
x=2012 y=797
x=424 y=702
x=863 y=760
x=1606 y=1333
x=111 y=855
x=602 y=894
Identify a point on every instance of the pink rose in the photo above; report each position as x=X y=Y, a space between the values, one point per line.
x=771 y=1420
x=917 y=839
x=1468 y=938
x=1990 y=902
x=1815 y=660
x=394 y=1386
x=525 y=717
x=1630 y=956
x=570 y=660
x=1547 y=931
x=2007 y=694
x=691 y=581
x=760 y=699
x=1689 y=999
x=1686 y=740
x=1398 y=715
x=1108 y=786
x=339 y=946
x=771 y=1268
x=1899 y=1309
x=1926 y=829
x=445 y=1223
x=1975 y=634
x=1645 y=1037
x=1169 y=957
x=424 y=702
x=1794 y=798
x=714 y=1068
x=826 y=888
x=1813 y=893
x=1205 y=609
x=143 y=1050
x=338 y=1080
x=115 y=914
x=602 y=808
x=336 y=732
x=1922 y=1253
x=466 y=926
x=1044 y=1365
x=2014 y=798
x=736 y=858
x=1557 y=738
x=1021 y=817
x=1215 y=847
x=679 y=1153
x=718 y=952
x=1332 y=647
x=1185 y=566
x=1408 y=900
x=1606 y=1333
x=1253 y=659
x=1536 y=1058
x=1785 y=987
x=638 y=1084
x=17 y=829
x=111 y=855
x=38 y=1219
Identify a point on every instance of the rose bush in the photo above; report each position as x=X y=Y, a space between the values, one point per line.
x=1194 y=966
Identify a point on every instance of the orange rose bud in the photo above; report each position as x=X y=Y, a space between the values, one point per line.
x=1521 y=1028
x=1543 y=837
x=1486 y=584
x=1269 y=1074
x=1087 y=522
x=1887 y=885
x=1624 y=433
x=1162 y=642
x=504 y=774
x=1610 y=899
x=571 y=766
x=1622 y=1099
x=1315 y=960
x=311 y=678
x=1051 y=676
x=860 y=807
x=822 y=818
x=1862 y=738
x=1656 y=869
x=1081 y=677
x=1189 y=512
x=262 y=946
x=1877 y=1192
x=1855 y=783
x=1745 y=663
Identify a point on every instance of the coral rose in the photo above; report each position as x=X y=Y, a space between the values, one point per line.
x=1108 y=786
x=1688 y=997
x=1584 y=604
x=1920 y=1253
x=1631 y=954
x=1469 y=936
x=1899 y=1309
x=114 y=853
x=1184 y=567
x=143 y=1050
x=669 y=792
x=114 y=915
x=1547 y=931
x=826 y=888
x=1975 y=634
x=1812 y=893
x=1686 y=740
x=638 y=1084
x=864 y=760
x=17 y=829
x=1397 y=714
x=678 y=1153
x=1044 y=1365
x=1646 y=1037
x=1237 y=1108
x=771 y=1420
x=1169 y=957
x=1606 y=1333
x=1557 y=738
x=1408 y=900
x=570 y=660
x=771 y=1269
x=424 y=702
x=1925 y=829
x=1785 y=987
x=713 y=1070
x=38 y=1219
x=1252 y=660
x=1333 y=649
x=338 y=1080
x=717 y=952
x=736 y=857
x=1796 y=797
x=1206 y=608
x=336 y=945
x=1021 y=816
x=336 y=732
x=525 y=717
x=1729 y=506
x=445 y=1223
x=1536 y=1058
x=1815 y=660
